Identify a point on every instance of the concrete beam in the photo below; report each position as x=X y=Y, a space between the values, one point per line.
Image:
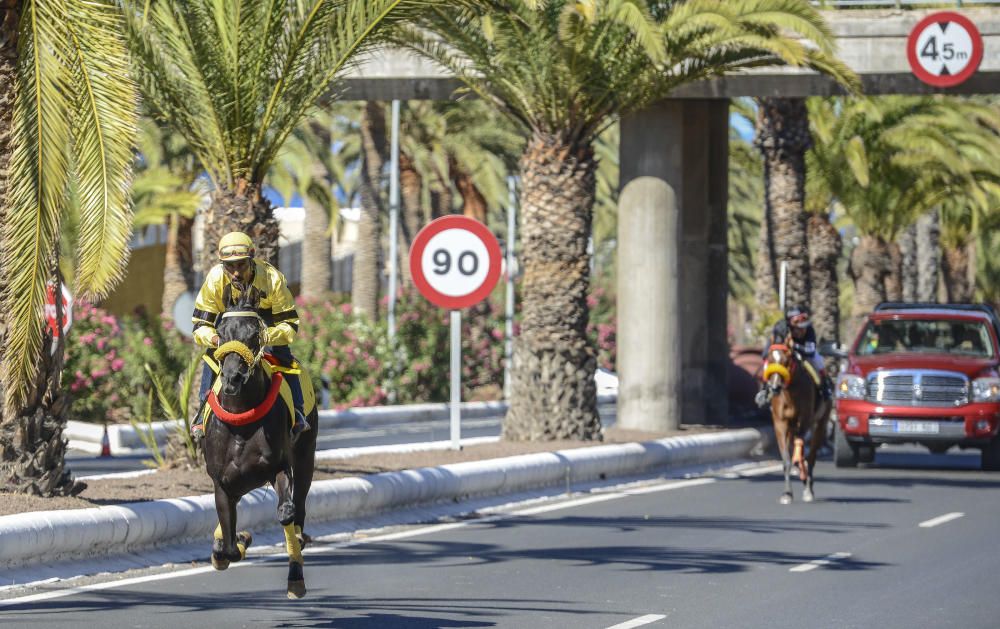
x=871 y=42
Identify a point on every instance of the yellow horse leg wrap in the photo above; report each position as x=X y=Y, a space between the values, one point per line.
x=292 y=545
x=240 y=546
x=218 y=532
x=298 y=530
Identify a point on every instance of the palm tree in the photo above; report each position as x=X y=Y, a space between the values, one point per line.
x=783 y=138
x=887 y=160
x=67 y=112
x=366 y=278
x=466 y=145
x=317 y=169
x=236 y=78
x=562 y=71
x=166 y=191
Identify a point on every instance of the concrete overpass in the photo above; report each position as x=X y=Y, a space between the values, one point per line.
x=682 y=142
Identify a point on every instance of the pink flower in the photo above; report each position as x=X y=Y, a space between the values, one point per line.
x=101 y=343
x=148 y=342
x=100 y=373
x=117 y=364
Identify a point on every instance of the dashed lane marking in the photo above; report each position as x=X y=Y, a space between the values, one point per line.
x=818 y=563
x=638 y=622
x=941 y=519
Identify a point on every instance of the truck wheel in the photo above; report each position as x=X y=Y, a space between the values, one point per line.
x=865 y=454
x=844 y=454
x=991 y=456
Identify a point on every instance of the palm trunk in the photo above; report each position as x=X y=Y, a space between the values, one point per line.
x=894 y=276
x=783 y=138
x=32 y=447
x=410 y=188
x=317 y=251
x=765 y=280
x=367 y=275
x=955 y=266
x=824 y=253
x=910 y=272
x=240 y=209
x=870 y=263
x=441 y=198
x=553 y=395
x=928 y=256
x=473 y=201
x=177 y=270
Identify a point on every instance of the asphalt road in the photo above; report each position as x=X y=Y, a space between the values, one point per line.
x=909 y=542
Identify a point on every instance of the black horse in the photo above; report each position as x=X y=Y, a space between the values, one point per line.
x=247 y=443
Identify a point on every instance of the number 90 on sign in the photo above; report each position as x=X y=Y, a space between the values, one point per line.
x=455 y=262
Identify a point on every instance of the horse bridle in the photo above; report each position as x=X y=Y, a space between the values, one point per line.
x=239 y=347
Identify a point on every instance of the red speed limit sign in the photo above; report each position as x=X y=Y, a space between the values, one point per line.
x=455 y=262
x=944 y=49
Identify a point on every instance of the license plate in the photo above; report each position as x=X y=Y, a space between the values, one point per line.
x=916 y=427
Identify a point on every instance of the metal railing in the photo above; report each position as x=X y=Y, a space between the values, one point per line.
x=899 y=4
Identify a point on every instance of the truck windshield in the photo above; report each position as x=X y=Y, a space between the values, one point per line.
x=914 y=336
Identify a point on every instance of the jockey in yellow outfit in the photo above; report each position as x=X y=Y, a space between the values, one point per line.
x=239 y=270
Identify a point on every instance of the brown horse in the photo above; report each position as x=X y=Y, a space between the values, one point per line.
x=797 y=410
x=247 y=443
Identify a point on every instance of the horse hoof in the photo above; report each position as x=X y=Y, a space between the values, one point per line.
x=296 y=589
x=786 y=499
x=219 y=563
x=807 y=496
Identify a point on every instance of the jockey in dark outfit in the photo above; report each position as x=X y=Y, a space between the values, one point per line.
x=238 y=270
x=803 y=342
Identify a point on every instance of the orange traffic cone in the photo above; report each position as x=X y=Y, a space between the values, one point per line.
x=105 y=444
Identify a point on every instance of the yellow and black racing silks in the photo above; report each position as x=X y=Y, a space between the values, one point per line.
x=276 y=307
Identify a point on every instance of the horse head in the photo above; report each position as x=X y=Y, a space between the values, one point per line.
x=241 y=343
x=780 y=365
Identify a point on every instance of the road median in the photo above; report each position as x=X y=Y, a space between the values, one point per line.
x=49 y=536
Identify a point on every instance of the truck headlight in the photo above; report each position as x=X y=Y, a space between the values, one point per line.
x=986 y=390
x=850 y=387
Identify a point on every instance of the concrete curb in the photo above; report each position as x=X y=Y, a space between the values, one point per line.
x=124 y=439
x=47 y=536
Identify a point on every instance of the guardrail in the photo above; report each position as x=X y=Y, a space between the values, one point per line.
x=898 y=4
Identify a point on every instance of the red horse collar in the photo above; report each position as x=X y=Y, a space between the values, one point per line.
x=254 y=414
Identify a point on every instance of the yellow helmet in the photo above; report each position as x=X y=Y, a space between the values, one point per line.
x=234 y=246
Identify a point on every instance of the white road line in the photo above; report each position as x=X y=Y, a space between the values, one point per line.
x=638 y=622
x=760 y=471
x=941 y=519
x=817 y=563
x=319 y=546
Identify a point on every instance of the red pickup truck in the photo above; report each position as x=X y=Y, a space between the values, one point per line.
x=921 y=373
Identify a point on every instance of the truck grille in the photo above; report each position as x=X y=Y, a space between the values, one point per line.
x=918 y=388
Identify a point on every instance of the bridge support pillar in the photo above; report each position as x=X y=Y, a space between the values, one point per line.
x=672 y=265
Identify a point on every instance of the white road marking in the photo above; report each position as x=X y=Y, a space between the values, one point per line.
x=941 y=519
x=760 y=471
x=817 y=563
x=319 y=546
x=638 y=622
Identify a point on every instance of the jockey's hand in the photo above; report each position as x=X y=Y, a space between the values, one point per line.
x=215 y=341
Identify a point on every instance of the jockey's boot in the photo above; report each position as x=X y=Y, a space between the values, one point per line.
x=301 y=425
x=198 y=424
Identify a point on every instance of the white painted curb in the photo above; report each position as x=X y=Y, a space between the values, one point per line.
x=48 y=536
x=124 y=439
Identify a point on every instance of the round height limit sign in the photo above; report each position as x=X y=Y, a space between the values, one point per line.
x=944 y=49
x=455 y=262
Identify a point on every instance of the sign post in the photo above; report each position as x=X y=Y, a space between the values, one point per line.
x=51 y=312
x=944 y=49
x=455 y=263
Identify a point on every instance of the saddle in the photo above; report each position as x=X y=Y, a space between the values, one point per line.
x=272 y=367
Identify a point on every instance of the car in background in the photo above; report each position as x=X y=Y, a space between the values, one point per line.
x=925 y=374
